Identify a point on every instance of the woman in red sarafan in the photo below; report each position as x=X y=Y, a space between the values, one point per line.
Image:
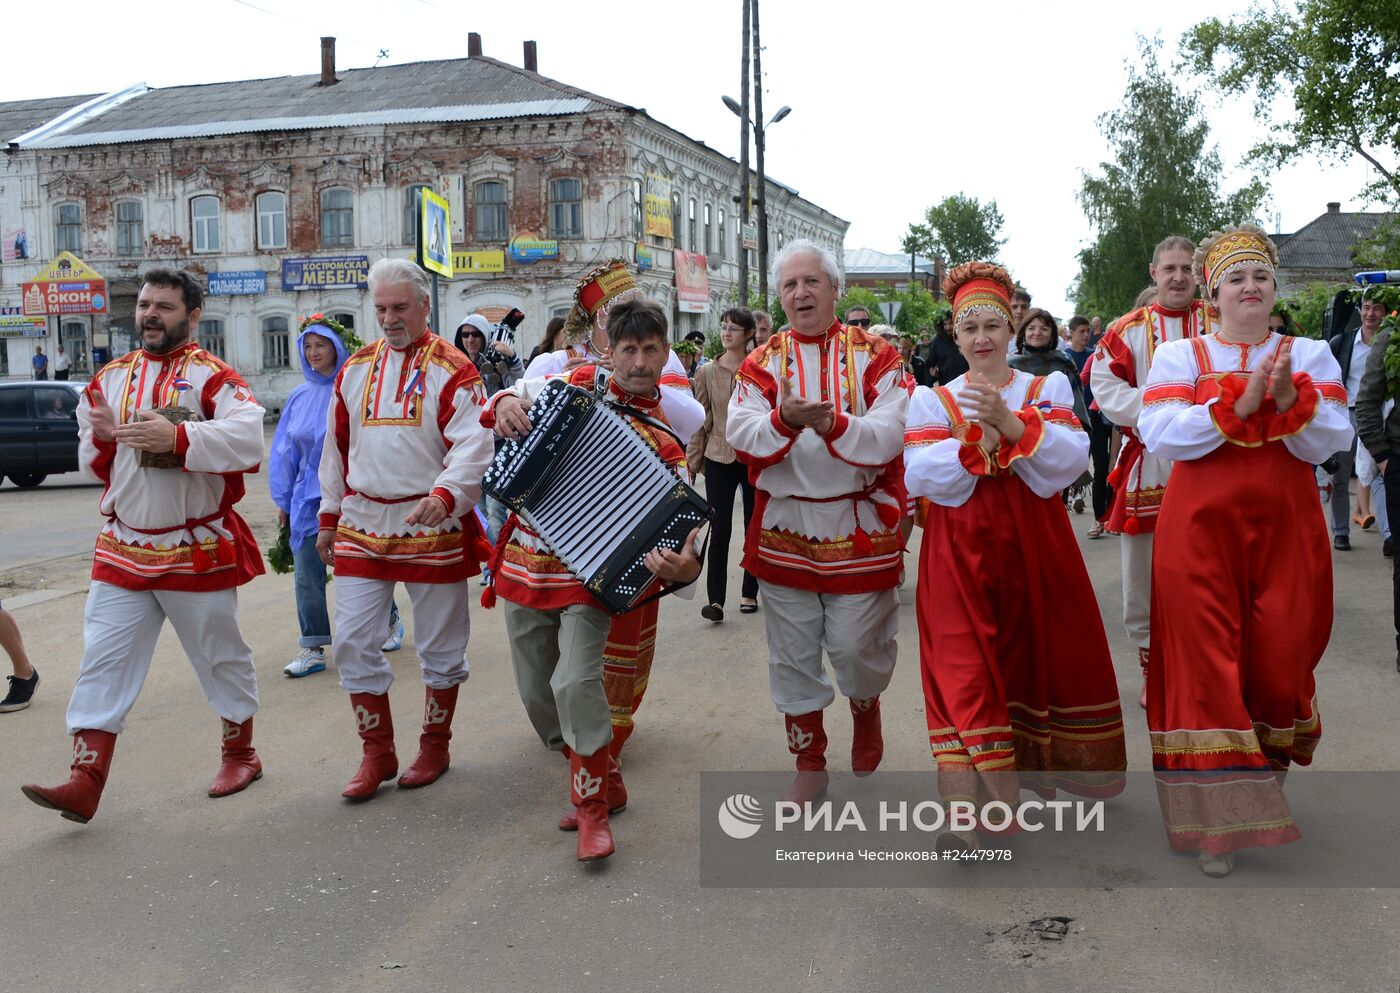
x=1242 y=574
x=1017 y=691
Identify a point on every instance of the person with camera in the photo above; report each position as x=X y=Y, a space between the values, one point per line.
x=496 y=360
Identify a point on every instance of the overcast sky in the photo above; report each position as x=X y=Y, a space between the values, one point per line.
x=894 y=104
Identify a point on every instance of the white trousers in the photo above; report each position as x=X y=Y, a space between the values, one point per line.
x=120 y=628
x=1137 y=587
x=857 y=630
x=440 y=629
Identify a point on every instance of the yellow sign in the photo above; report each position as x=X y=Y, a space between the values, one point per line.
x=466 y=263
x=434 y=233
x=65 y=267
x=658 y=206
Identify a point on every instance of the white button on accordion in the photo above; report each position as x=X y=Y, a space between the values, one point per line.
x=593 y=488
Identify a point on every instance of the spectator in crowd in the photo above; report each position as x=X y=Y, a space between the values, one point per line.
x=40 y=362
x=26 y=678
x=1035 y=353
x=552 y=342
x=1350 y=351
x=913 y=363
x=499 y=366
x=856 y=317
x=710 y=453
x=946 y=362
x=60 y=363
x=693 y=358
x=763 y=328
x=1379 y=427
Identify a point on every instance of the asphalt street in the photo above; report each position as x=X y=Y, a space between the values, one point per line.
x=469 y=886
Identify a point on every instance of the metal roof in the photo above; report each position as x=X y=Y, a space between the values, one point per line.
x=1327 y=241
x=867 y=260
x=19 y=116
x=469 y=89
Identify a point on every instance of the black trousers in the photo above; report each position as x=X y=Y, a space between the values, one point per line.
x=1100 y=437
x=1392 y=507
x=721 y=480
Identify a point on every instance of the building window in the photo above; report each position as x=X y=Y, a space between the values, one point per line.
x=272 y=220
x=276 y=346
x=722 y=248
x=565 y=208
x=346 y=319
x=492 y=217
x=337 y=218
x=676 y=220
x=694 y=232
x=410 y=212
x=68 y=228
x=131 y=235
x=638 y=213
x=210 y=336
x=709 y=233
x=204 y=223
x=74 y=334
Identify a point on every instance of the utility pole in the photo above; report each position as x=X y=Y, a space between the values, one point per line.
x=762 y=178
x=744 y=162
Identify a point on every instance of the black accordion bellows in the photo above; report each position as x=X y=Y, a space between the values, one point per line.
x=593 y=488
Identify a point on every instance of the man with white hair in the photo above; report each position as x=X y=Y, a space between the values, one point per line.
x=818 y=416
x=400 y=473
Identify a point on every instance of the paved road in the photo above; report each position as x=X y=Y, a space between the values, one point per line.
x=469 y=887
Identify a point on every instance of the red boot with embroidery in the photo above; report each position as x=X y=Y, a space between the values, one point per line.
x=807 y=740
x=867 y=739
x=240 y=765
x=432 y=760
x=77 y=799
x=589 y=774
x=616 y=795
x=376 y=727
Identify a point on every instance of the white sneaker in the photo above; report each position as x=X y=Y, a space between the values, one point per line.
x=395 y=639
x=308 y=660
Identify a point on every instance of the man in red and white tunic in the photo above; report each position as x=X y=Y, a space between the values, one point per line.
x=818 y=416
x=173 y=545
x=1120 y=367
x=400 y=472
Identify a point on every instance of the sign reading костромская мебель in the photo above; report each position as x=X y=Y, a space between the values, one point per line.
x=344 y=272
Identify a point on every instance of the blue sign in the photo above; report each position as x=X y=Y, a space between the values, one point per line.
x=526 y=250
x=233 y=284
x=341 y=272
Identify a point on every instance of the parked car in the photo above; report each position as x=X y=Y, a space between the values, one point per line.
x=38 y=430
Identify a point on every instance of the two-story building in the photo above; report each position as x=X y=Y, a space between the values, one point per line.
x=281 y=192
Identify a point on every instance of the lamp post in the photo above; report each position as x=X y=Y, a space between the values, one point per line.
x=762 y=199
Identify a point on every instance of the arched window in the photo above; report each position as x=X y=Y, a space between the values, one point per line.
x=410 y=212
x=722 y=246
x=693 y=234
x=204 y=223
x=272 y=219
x=337 y=218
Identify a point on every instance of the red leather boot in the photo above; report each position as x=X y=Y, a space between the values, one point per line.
x=867 y=740
x=432 y=760
x=589 y=795
x=376 y=727
x=807 y=740
x=240 y=764
x=616 y=795
x=77 y=799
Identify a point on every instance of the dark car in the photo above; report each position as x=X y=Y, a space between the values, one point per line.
x=38 y=430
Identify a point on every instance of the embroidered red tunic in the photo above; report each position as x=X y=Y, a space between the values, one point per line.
x=174 y=529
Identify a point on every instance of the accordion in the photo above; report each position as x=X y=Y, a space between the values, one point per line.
x=592 y=487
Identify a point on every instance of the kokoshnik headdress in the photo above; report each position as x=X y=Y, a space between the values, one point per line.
x=598 y=288
x=978 y=286
x=1231 y=249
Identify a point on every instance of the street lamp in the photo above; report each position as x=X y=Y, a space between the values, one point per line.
x=758 y=129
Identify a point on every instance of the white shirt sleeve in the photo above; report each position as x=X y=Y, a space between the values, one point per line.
x=1330 y=429
x=1172 y=424
x=932 y=468
x=1063 y=453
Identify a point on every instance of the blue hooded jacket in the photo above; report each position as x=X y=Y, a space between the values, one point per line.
x=295 y=461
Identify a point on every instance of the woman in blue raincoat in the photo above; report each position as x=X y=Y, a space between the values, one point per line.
x=293 y=465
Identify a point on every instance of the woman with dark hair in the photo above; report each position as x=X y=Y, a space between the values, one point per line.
x=1241 y=570
x=711 y=454
x=1038 y=353
x=552 y=342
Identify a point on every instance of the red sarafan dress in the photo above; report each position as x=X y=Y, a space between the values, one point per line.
x=1019 y=688
x=1241 y=586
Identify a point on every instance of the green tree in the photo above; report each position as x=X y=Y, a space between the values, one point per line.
x=1321 y=73
x=1165 y=178
x=918 y=308
x=958 y=229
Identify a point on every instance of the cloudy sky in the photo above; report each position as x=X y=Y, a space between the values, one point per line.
x=894 y=104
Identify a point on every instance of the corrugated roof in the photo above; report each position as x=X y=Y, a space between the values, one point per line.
x=447 y=90
x=1327 y=241
x=860 y=260
x=19 y=116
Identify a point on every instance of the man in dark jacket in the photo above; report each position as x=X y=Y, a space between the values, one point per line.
x=1379 y=428
x=1351 y=350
